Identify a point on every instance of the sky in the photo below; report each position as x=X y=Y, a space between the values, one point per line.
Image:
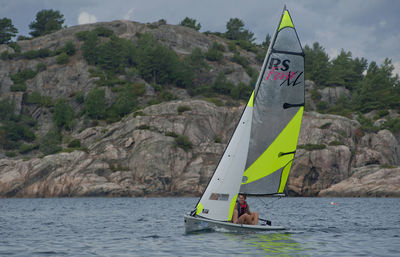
x=366 y=28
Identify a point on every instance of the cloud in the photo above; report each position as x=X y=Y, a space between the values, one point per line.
x=396 y=68
x=85 y=17
x=128 y=15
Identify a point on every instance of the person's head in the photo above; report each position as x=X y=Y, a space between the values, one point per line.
x=241 y=198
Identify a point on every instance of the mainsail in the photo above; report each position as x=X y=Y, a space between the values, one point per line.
x=260 y=153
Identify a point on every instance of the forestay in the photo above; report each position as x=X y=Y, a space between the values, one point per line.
x=259 y=155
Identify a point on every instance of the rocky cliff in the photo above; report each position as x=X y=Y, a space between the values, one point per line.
x=142 y=155
x=139 y=156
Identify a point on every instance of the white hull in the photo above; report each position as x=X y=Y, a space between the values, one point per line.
x=193 y=224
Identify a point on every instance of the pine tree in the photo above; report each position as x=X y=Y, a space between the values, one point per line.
x=47 y=21
x=316 y=64
x=7 y=30
x=235 y=31
x=191 y=23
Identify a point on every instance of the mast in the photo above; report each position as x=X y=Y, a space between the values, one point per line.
x=260 y=152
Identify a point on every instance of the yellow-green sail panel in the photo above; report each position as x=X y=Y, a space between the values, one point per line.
x=272 y=159
x=286 y=21
x=232 y=207
x=284 y=177
x=251 y=100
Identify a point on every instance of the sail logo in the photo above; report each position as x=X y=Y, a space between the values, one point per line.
x=279 y=70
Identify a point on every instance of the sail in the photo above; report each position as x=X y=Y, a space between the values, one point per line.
x=220 y=196
x=259 y=155
x=277 y=114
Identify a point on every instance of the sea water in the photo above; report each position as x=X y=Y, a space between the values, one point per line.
x=154 y=227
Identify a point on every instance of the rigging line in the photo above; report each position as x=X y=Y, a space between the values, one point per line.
x=271 y=204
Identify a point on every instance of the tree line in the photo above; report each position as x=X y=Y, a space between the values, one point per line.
x=371 y=86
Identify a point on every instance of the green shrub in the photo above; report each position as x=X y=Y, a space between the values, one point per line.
x=44 y=52
x=90 y=49
x=125 y=103
x=82 y=35
x=367 y=125
x=311 y=147
x=196 y=60
x=183 y=142
x=315 y=95
x=322 y=106
x=27 y=120
x=247 y=45
x=33 y=98
x=326 y=125
x=381 y=113
x=75 y=143
x=392 y=124
x=41 y=67
x=250 y=71
x=33 y=54
x=261 y=56
x=50 y=142
x=13 y=132
x=18 y=87
x=98 y=32
x=216 y=101
x=95 y=104
x=183 y=108
x=20 y=38
x=5 y=55
x=22 y=76
x=139 y=113
x=70 y=150
x=191 y=23
x=143 y=127
x=62 y=58
x=387 y=166
x=7 y=109
x=217 y=46
x=69 y=48
x=103 y=32
x=241 y=91
x=240 y=60
x=335 y=143
x=132 y=73
x=232 y=46
x=139 y=89
x=118 y=167
x=214 y=55
x=80 y=97
x=222 y=85
x=171 y=134
x=217 y=140
x=46 y=101
x=25 y=148
x=10 y=154
x=166 y=96
x=15 y=46
x=63 y=115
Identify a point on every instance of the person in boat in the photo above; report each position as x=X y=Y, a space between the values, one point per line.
x=242 y=213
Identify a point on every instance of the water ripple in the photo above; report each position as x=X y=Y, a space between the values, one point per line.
x=117 y=227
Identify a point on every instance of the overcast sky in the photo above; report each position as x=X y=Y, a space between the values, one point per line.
x=367 y=28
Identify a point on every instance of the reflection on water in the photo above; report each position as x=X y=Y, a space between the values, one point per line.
x=272 y=244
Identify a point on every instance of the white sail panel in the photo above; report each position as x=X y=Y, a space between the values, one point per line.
x=221 y=193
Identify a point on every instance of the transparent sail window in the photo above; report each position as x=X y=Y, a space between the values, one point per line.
x=219 y=197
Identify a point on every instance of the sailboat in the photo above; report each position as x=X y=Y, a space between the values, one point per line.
x=260 y=153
